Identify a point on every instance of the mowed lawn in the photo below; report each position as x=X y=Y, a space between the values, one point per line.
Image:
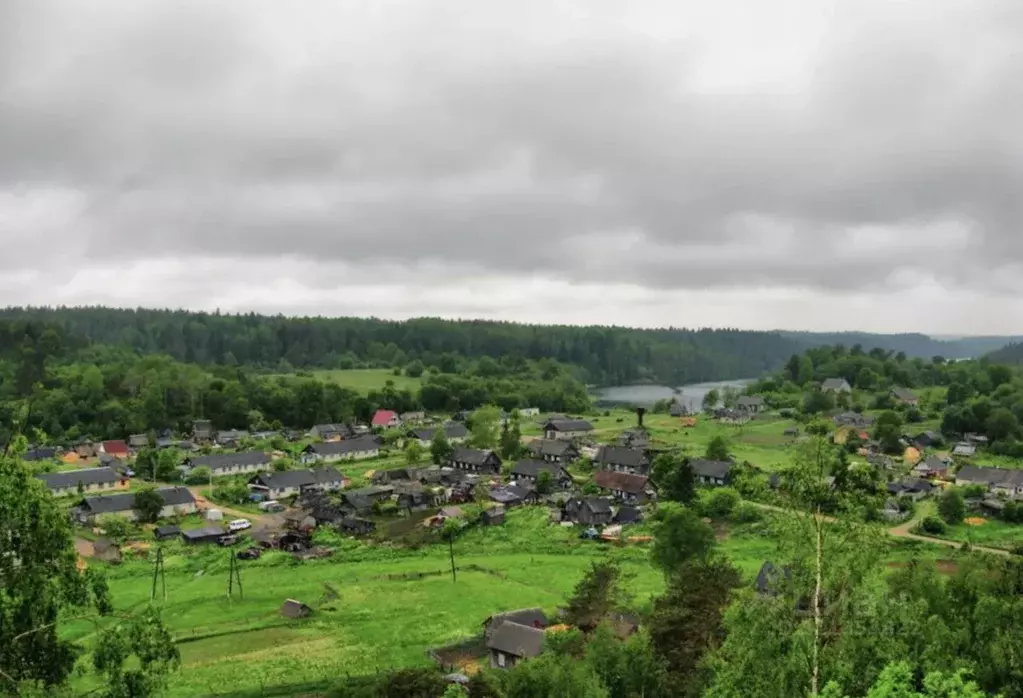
x=365 y=380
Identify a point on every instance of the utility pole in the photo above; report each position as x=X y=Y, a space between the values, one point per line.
x=159 y=571
x=234 y=575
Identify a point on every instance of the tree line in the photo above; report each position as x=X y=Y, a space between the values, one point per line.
x=55 y=389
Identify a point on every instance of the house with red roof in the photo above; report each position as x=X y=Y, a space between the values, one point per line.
x=117 y=449
x=386 y=418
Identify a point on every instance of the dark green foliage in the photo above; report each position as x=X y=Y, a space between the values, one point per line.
x=951 y=506
x=679 y=536
x=147 y=505
x=933 y=525
x=717 y=449
x=674 y=478
x=601 y=591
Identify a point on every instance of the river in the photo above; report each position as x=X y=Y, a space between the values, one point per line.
x=646 y=395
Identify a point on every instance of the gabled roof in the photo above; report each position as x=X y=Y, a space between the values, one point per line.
x=625 y=482
x=39 y=453
x=298 y=478
x=172 y=497
x=115 y=446
x=533 y=468
x=964 y=449
x=769 y=576
x=615 y=455
x=451 y=431
x=231 y=434
x=598 y=505
x=834 y=384
x=381 y=418
x=904 y=394
x=711 y=468
x=220 y=461
x=517 y=640
x=472 y=456
x=357 y=445
x=204 y=532
x=628 y=515
x=568 y=425
x=932 y=462
x=551 y=447
x=87 y=476
x=991 y=476
x=534 y=617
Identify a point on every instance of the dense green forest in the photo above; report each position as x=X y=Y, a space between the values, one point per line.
x=56 y=387
x=1010 y=354
x=911 y=344
x=605 y=355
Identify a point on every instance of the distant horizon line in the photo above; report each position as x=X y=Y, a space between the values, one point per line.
x=941 y=337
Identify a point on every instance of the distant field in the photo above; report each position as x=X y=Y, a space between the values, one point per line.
x=366 y=379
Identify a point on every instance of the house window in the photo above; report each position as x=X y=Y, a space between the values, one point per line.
x=500 y=659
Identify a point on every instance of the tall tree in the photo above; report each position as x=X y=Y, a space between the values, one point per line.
x=484 y=427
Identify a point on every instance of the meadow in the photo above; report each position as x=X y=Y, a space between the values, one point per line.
x=364 y=380
x=367 y=615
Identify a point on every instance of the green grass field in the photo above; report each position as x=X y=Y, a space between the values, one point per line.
x=378 y=620
x=366 y=379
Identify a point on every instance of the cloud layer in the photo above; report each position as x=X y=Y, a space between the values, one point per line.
x=464 y=158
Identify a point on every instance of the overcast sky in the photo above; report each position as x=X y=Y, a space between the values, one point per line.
x=800 y=164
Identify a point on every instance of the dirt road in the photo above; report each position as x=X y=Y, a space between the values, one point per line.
x=203 y=503
x=900 y=531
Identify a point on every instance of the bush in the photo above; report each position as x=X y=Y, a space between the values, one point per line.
x=746 y=513
x=933 y=525
x=1017 y=549
x=198 y=476
x=721 y=503
x=951 y=506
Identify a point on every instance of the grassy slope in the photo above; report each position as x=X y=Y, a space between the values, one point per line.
x=364 y=380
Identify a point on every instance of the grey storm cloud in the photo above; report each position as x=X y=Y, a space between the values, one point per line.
x=560 y=139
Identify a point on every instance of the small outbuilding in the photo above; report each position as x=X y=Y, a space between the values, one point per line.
x=295 y=609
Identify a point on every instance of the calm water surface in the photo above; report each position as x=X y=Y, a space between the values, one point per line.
x=691 y=395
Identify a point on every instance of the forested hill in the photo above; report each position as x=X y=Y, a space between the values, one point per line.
x=606 y=355
x=1011 y=354
x=910 y=344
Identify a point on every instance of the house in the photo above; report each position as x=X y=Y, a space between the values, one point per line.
x=292 y=482
x=529 y=471
x=383 y=477
x=295 y=609
x=88 y=479
x=333 y=451
x=39 y=453
x=904 y=396
x=177 y=501
x=566 y=428
x=138 y=440
x=330 y=432
x=116 y=448
x=927 y=439
x=932 y=466
x=628 y=515
x=387 y=419
x=964 y=449
x=372 y=494
x=454 y=432
x=838 y=385
x=409 y=417
x=677 y=410
x=86 y=449
x=553 y=450
x=711 y=472
x=355 y=526
x=633 y=438
x=202 y=431
x=915 y=489
x=770 y=578
x=978 y=439
x=231 y=437
x=532 y=617
x=625 y=487
x=750 y=403
x=625 y=460
x=529 y=412
x=475 y=460
x=207 y=534
x=589 y=511
x=231 y=463
x=853 y=419
x=512 y=496
x=999 y=480
x=494 y=516
x=166 y=532
x=511 y=642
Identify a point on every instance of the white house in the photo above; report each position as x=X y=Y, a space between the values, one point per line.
x=88 y=480
x=292 y=482
x=223 y=464
x=566 y=428
x=349 y=449
x=177 y=501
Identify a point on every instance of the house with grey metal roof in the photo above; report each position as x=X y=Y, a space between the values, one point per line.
x=475 y=460
x=511 y=642
x=529 y=471
x=566 y=428
x=623 y=460
x=554 y=450
x=221 y=464
x=292 y=482
x=358 y=448
x=71 y=482
x=177 y=501
x=711 y=472
x=838 y=385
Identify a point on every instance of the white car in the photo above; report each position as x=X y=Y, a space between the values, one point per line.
x=239 y=525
